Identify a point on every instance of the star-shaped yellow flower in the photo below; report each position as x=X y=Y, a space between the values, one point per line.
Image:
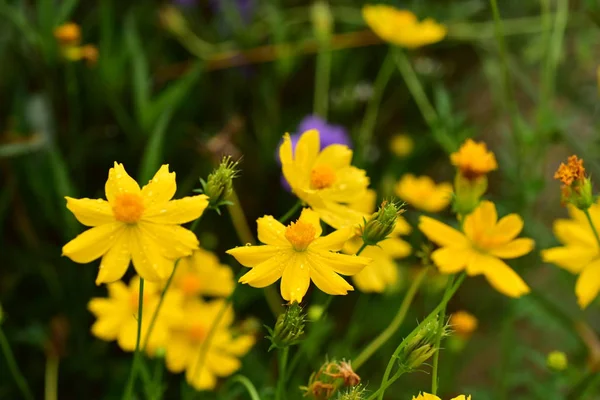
x=427 y=396
x=423 y=193
x=473 y=159
x=298 y=254
x=135 y=224
x=401 y=27
x=580 y=253
x=479 y=250
x=324 y=180
x=201 y=274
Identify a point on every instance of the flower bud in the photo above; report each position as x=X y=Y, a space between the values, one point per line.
x=288 y=329
x=577 y=187
x=219 y=184
x=357 y=392
x=381 y=224
x=322 y=20
x=467 y=193
x=332 y=376
x=557 y=361
x=422 y=345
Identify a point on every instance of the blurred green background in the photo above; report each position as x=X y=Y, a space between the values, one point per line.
x=185 y=82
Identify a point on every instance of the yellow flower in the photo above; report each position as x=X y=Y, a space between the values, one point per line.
x=68 y=34
x=473 y=159
x=298 y=254
x=324 y=180
x=401 y=27
x=481 y=247
x=401 y=145
x=580 y=253
x=423 y=193
x=135 y=224
x=382 y=272
x=427 y=396
x=117 y=315
x=204 y=361
x=463 y=323
x=201 y=274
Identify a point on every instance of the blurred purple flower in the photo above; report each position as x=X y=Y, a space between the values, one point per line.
x=329 y=134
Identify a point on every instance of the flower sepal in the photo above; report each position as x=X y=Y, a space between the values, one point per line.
x=288 y=329
x=468 y=193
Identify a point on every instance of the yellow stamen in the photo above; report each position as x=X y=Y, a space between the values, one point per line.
x=300 y=234
x=128 y=208
x=322 y=177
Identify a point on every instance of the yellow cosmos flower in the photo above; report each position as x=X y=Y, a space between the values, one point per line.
x=201 y=274
x=382 y=272
x=401 y=27
x=580 y=253
x=481 y=247
x=298 y=254
x=427 y=396
x=463 y=323
x=423 y=193
x=473 y=159
x=187 y=347
x=135 y=224
x=324 y=180
x=117 y=315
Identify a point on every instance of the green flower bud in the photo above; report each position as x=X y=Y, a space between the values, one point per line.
x=354 y=393
x=288 y=329
x=322 y=20
x=381 y=224
x=557 y=361
x=467 y=193
x=422 y=345
x=219 y=184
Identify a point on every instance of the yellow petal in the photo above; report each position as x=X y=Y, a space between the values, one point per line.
x=119 y=182
x=267 y=272
x=395 y=247
x=402 y=227
x=128 y=334
x=334 y=241
x=350 y=185
x=173 y=241
x=91 y=212
x=116 y=260
x=118 y=290
x=271 y=231
x=441 y=234
x=241 y=345
x=366 y=203
x=335 y=155
x=222 y=364
x=451 y=260
x=311 y=217
x=341 y=263
x=177 y=212
x=178 y=353
x=483 y=219
x=571 y=258
x=295 y=175
x=107 y=327
x=575 y=233
x=462 y=397
x=588 y=284
x=286 y=153
x=478 y=263
x=295 y=279
x=202 y=379
x=381 y=273
x=504 y=279
x=147 y=258
x=93 y=243
x=507 y=228
x=250 y=256
x=161 y=187
x=307 y=149
x=513 y=249
x=328 y=281
x=338 y=215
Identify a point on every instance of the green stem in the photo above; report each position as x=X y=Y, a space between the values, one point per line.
x=281 y=381
x=394 y=325
x=248 y=385
x=389 y=383
x=364 y=246
x=51 y=378
x=438 y=340
x=372 y=111
x=589 y=218
x=415 y=88
x=291 y=212
x=434 y=313
x=136 y=357
x=238 y=218
x=322 y=78
x=14 y=368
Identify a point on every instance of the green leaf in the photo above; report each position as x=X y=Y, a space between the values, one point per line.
x=153 y=153
x=139 y=71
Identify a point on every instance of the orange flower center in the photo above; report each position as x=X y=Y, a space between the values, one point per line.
x=197 y=333
x=190 y=284
x=571 y=172
x=300 y=234
x=322 y=177
x=128 y=207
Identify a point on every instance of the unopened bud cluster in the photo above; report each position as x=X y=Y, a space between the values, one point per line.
x=219 y=184
x=330 y=379
x=382 y=224
x=422 y=345
x=577 y=187
x=289 y=327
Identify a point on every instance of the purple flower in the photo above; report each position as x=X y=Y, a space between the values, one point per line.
x=329 y=134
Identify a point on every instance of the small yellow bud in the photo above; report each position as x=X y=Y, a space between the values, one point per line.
x=557 y=361
x=68 y=34
x=401 y=145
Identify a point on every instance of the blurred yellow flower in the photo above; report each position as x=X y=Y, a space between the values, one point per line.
x=401 y=27
x=401 y=145
x=580 y=253
x=382 y=272
x=298 y=254
x=135 y=224
x=473 y=159
x=427 y=396
x=117 y=315
x=68 y=34
x=201 y=274
x=463 y=323
x=423 y=193
x=481 y=247
x=204 y=361
x=324 y=180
